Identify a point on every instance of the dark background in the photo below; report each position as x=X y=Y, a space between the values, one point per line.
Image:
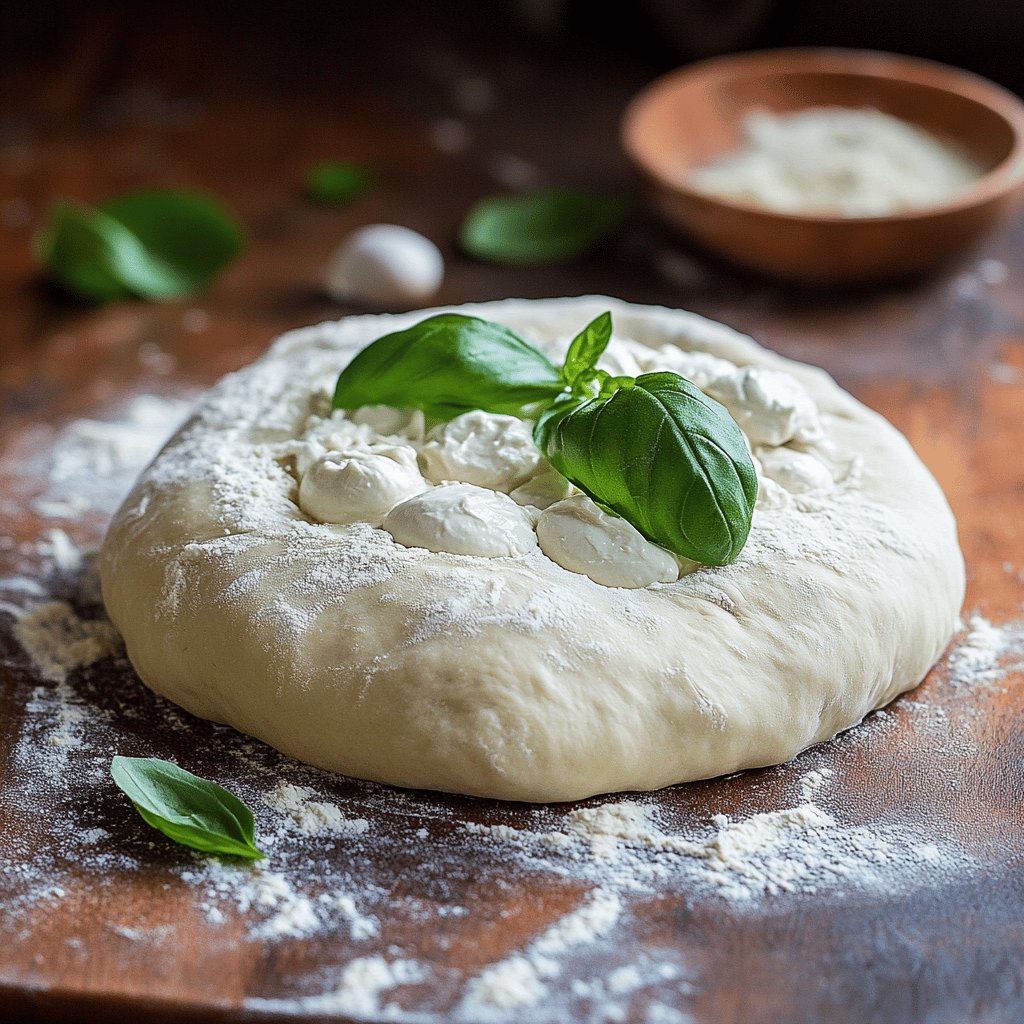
x=982 y=35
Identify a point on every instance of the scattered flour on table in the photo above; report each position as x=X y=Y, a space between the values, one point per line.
x=618 y=849
x=800 y=849
x=311 y=816
x=58 y=641
x=116 y=448
x=983 y=652
x=358 y=994
x=88 y=465
x=61 y=551
x=522 y=979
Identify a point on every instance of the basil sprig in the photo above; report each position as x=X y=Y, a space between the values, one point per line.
x=654 y=449
x=584 y=351
x=190 y=810
x=158 y=244
x=447 y=365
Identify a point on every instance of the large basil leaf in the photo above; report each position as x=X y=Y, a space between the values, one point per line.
x=663 y=455
x=447 y=365
x=192 y=811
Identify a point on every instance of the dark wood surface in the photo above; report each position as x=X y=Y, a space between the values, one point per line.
x=241 y=108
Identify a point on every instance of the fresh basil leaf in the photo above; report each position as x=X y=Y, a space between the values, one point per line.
x=84 y=250
x=188 y=239
x=449 y=364
x=551 y=225
x=335 y=182
x=663 y=455
x=155 y=245
x=585 y=349
x=190 y=810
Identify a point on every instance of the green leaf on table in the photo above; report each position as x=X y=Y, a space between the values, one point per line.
x=586 y=349
x=154 y=245
x=189 y=239
x=192 y=811
x=663 y=455
x=544 y=226
x=336 y=182
x=447 y=365
x=85 y=251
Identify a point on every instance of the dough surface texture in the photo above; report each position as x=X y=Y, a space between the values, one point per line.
x=510 y=676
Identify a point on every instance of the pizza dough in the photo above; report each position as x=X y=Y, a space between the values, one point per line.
x=505 y=674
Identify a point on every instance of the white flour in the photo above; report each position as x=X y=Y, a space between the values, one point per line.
x=521 y=980
x=311 y=816
x=363 y=982
x=800 y=849
x=58 y=641
x=352 y=864
x=832 y=160
x=983 y=653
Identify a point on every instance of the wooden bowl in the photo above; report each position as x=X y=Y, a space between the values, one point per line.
x=691 y=117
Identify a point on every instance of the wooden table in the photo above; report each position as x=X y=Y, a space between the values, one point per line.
x=242 y=109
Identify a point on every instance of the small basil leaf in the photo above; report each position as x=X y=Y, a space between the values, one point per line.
x=447 y=365
x=663 y=455
x=83 y=251
x=188 y=239
x=552 y=225
x=190 y=810
x=586 y=348
x=335 y=182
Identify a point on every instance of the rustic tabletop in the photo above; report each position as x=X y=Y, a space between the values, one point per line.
x=896 y=894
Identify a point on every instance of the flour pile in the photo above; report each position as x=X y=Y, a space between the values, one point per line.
x=832 y=160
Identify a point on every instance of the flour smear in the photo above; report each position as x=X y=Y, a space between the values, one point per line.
x=379 y=873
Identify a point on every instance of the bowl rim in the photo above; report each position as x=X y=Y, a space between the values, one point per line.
x=996 y=182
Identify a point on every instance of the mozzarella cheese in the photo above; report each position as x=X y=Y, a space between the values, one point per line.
x=581 y=537
x=795 y=471
x=770 y=406
x=385 y=264
x=360 y=485
x=463 y=519
x=481 y=448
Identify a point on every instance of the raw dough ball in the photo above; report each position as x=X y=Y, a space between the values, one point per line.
x=481 y=448
x=360 y=486
x=463 y=520
x=583 y=538
x=512 y=677
x=387 y=265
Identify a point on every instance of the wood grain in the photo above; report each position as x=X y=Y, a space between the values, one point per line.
x=241 y=108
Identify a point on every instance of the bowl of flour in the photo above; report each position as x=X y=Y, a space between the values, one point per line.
x=826 y=166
